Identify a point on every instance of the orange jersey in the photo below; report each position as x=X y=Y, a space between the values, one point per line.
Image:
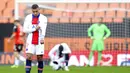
x=18 y=34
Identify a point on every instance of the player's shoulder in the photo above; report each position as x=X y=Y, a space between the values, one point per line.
x=104 y=25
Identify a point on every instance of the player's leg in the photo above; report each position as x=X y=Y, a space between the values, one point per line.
x=29 y=52
x=39 y=52
x=100 y=49
x=40 y=63
x=20 y=53
x=16 y=61
x=66 y=62
x=93 y=48
x=28 y=62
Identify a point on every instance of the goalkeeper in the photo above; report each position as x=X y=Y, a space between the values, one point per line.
x=100 y=33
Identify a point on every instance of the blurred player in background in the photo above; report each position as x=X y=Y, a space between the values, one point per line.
x=18 y=48
x=35 y=26
x=59 y=54
x=100 y=33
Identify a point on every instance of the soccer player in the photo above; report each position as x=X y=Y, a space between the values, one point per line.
x=18 y=48
x=59 y=54
x=35 y=26
x=100 y=33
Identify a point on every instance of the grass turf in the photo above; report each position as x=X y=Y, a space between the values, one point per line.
x=73 y=69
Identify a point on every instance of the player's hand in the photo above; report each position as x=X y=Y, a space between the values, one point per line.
x=104 y=38
x=92 y=38
x=37 y=28
x=42 y=41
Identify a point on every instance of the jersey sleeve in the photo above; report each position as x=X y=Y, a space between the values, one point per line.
x=26 y=26
x=43 y=26
x=108 y=32
x=14 y=29
x=66 y=48
x=89 y=30
x=52 y=51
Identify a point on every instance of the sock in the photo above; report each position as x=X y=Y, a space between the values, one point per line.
x=16 y=61
x=40 y=66
x=22 y=58
x=66 y=63
x=99 y=57
x=28 y=66
x=90 y=57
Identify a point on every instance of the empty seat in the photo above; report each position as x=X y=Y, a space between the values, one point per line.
x=71 y=6
x=2 y=5
x=8 y=13
x=53 y=20
x=92 y=6
x=11 y=4
x=67 y=14
x=103 y=5
x=85 y=20
x=64 y=20
x=100 y=14
x=110 y=14
x=74 y=20
x=107 y=20
x=6 y=20
x=89 y=14
x=122 y=5
x=61 y=5
x=128 y=14
x=82 y=6
x=57 y=13
x=114 y=5
x=118 y=20
x=77 y=14
x=121 y=13
x=127 y=5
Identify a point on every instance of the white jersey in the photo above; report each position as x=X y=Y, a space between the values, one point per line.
x=55 y=50
x=29 y=28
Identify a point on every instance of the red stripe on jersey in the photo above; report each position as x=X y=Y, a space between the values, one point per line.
x=35 y=35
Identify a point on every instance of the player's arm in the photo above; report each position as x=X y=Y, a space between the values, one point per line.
x=89 y=31
x=52 y=51
x=43 y=26
x=13 y=34
x=26 y=26
x=108 y=32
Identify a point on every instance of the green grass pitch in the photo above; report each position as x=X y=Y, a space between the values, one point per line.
x=73 y=69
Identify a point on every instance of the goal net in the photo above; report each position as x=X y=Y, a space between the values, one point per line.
x=69 y=22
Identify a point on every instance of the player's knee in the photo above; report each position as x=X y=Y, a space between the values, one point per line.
x=39 y=57
x=29 y=56
x=66 y=57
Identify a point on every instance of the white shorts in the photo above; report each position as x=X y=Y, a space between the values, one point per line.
x=35 y=49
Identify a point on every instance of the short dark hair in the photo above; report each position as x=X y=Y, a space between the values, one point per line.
x=16 y=21
x=35 y=6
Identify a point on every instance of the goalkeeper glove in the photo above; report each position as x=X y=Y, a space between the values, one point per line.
x=104 y=38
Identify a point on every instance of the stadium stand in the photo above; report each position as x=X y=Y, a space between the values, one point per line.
x=7 y=12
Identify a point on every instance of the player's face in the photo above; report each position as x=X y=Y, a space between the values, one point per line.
x=35 y=12
x=15 y=23
x=100 y=20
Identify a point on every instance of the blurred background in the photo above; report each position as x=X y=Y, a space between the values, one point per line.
x=68 y=22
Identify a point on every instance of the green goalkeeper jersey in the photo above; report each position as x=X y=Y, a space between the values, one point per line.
x=98 y=31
